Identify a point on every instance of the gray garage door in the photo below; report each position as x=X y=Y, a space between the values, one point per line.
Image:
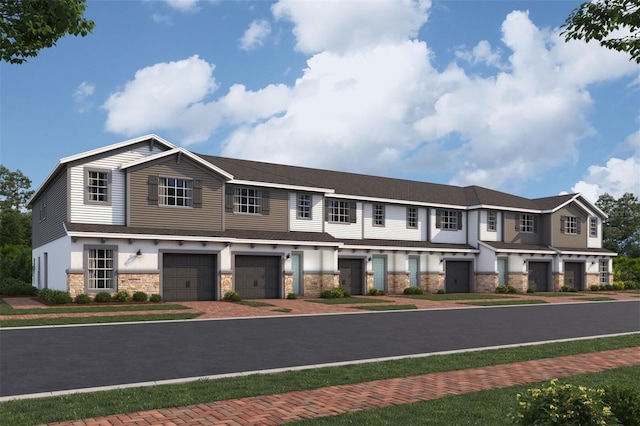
x=257 y=277
x=457 y=277
x=539 y=276
x=188 y=277
x=573 y=275
x=351 y=275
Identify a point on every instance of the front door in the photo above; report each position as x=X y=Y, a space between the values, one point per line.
x=573 y=275
x=296 y=269
x=538 y=276
x=457 y=277
x=414 y=272
x=351 y=275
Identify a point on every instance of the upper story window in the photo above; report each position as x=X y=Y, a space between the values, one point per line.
x=570 y=225
x=340 y=211
x=526 y=223
x=412 y=217
x=97 y=183
x=378 y=215
x=593 y=226
x=247 y=200
x=492 y=221
x=175 y=192
x=604 y=272
x=448 y=219
x=43 y=207
x=303 y=206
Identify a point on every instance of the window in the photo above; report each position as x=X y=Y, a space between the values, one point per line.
x=97 y=184
x=526 y=223
x=570 y=225
x=593 y=227
x=378 y=215
x=604 y=272
x=43 y=207
x=448 y=219
x=100 y=269
x=412 y=217
x=303 y=206
x=247 y=200
x=492 y=221
x=339 y=211
x=175 y=192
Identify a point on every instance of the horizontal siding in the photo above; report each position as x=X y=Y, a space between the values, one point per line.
x=209 y=217
x=489 y=235
x=276 y=220
x=395 y=224
x=306 y=225
x=53 y=226
x=113 y=214
x=448 y=236
x=347 y=230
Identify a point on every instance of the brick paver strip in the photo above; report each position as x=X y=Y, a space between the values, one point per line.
x=335 y=400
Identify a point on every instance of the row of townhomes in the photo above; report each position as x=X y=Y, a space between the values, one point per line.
x=145 y=215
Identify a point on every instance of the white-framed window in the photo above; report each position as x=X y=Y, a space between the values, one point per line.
x=593 y=226
x=97 y=186
x=43 y=207
x=303 y=206
x=339 y=211
x=101 y=268
x=492 y=221
x=412 y=217
x=378 y=215
x=570 y=225
x=175 y=192
x=247 y=200
x=604 y=272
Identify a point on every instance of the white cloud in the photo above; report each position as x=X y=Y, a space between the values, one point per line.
x=482 y=53
x=81 y=96
x=159 y=18
x=255 y=34
x=182 y=5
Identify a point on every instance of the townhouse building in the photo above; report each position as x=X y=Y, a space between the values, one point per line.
x=145 y=215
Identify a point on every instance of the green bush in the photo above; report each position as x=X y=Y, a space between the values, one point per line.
x=618 y=285
x=440 y=291
x=624 y=401
x=594 y=288
x=61 y=297
x=292 y=296
x=139 y=296
x=530 y=290
x=631 y=285
x=568 y=289
x=10 y=286
x=375 y=292
x=122 y=296
x=102 y=297
x=231 y=296
x=155 y=298
x=334 y=293
x=83 y=298
x=412 y=290
x=46 y=294
x=627 y=270
x=506 y=289
x=15 y=262
x=562 y=404
x=346 y=293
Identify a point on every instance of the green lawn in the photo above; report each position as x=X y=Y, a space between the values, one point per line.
x=78 y=406
x=253 y=303
x=386 y=307
x=96 y=319
x=457 y=296
x=507 y=302
x=558 y=294
x=6 y=309
x=349 y=300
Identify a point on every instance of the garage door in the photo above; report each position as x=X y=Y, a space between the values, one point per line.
x=573 y=274
x=257 y=277
x=351 y=275
x=539 y=276
x=457 y=277
x=188 y=277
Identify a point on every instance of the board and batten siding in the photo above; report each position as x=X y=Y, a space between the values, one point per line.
x=144 y=214
x=114 y=212
x=306 y=225
x=276 y=220
x=511 y=219
x=561 y=239
x=52 y=227
x=395 y=224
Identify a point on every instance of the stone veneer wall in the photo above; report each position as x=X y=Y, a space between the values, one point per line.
x=315 y=283
x=518 y=281
x=149 y=283
x=288 y=284
x=558 y=281
x=396 y=283
x=75 y=284
x=432 y=282
x=486 y=283
x=593 y=279
x=226 y=283
x=369 y=283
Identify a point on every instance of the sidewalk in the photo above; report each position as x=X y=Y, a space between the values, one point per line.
x=335 y=400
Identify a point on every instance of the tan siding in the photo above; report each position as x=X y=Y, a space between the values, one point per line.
x=512 y=236
x=209 y=217
x=559 y=239
x=276 y=220
x=53 y=226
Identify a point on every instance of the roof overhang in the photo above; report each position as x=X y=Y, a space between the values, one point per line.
x=179 y=151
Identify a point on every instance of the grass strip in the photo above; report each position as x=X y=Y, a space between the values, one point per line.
x=507 y=302
x=96 y=320
x=6 y=309
x=348 y=300
x=456 y=296
x=488 y=407
x=253 y=303
x=386 y=307
x=559 y=294
x=89 y=405
x=282 y=310
x=598 y=299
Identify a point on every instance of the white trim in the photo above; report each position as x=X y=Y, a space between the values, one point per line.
x=503 y=208
x=280 y=186
x=517 y=251
x=584 y=253
x=405 y=248
x=176 y=151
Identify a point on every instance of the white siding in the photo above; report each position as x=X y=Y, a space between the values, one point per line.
x=486 y=260
x=395 y=224
x=594 y=242
x=347 y=230
x=486 y=235
x=113 y=214
x=446 y=235
x=59 y=261
x=306 y=225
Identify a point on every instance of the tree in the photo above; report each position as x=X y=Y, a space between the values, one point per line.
x=15 y=219
x=621 y=231
x=28 y=26
x=599 y=19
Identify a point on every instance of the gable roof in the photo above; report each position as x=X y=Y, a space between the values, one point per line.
x=178 y=151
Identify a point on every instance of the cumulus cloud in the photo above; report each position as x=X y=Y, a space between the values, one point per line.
x=255 y=34
x=182 y=5
x=82 y=96
x=482 y=53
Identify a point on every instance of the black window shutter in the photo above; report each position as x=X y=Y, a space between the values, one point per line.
x=266 y=202
x=197 y=194
x=438 y=218
x=459 y=220
x=517 y=222
x=153 y=190
x=352 y=212
x=228 y=198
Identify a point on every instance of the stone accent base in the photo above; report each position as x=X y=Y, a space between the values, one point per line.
x=75 y=284
x=518 y=281
x=149 y=283
x=226 y=283
x=558 y=281
x=369 y=282
x=315 y=283
x=288 y=285
x=396 y=283
x=593 y=279
x=431 y=283
x=486 y=283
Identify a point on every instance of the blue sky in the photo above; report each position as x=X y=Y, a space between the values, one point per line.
x=462 y=92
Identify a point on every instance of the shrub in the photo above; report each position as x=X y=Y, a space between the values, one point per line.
x=530 y=290
x=624 y=401
x=568 y=289
x=61 y=297
x=155 y=298
x=346 y=293
x=292 y=296
x=334 y=293
x=46 y=294
x=618 y=285
x=121 y=296
x=506 y=289
x=412 y=290
x=563 y=404
x=594 y=288
x=15 y=262
x=511 y=289
x=102 y=297
x=83 y=298
x=139 y=296
x=440 y=291
x=231 y=296
x=375 y=292
x=631 y=285
x=14 y=287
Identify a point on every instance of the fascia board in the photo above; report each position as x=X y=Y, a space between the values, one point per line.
x=423 y=249
x=504 y=208
x=173 y=151
x=280 y=186
x=584 y=253
x=396 y=201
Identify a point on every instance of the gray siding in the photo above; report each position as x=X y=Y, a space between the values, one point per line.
x=141 y=213
x=513 y=236
x=52 y=227
x=560 y=239
x=276 y=220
